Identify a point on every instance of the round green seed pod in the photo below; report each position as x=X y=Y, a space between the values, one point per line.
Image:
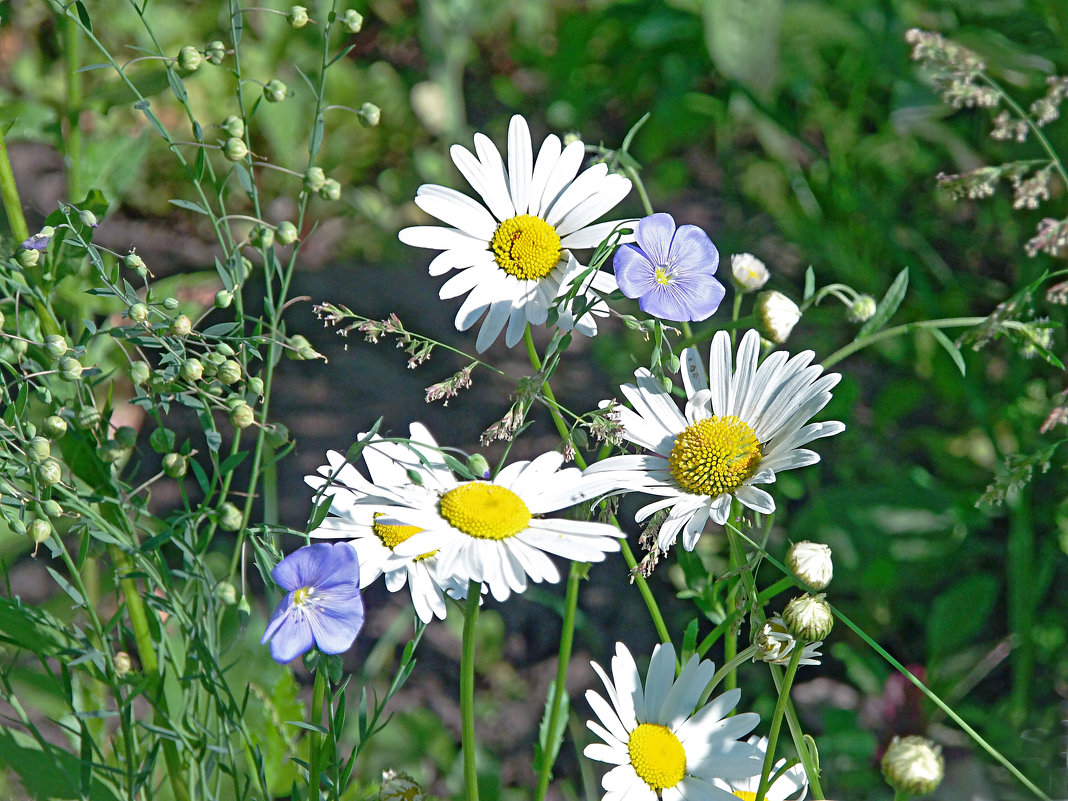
x=113 y=452
x=224 y=349
x=352 y=21
x=234 y=126
x=87 y=417
x=138 y=312
x=170 y=304
x=49 y=472
x=223 y=299
x=40 y=530
x=192 y=370
x=88 y=218
x=54 y=426
x=175 y=465
x=226 y=593
x=181 y=326
x=242 y=416
x=262 y=236
x=134 y=262
x=215 y=52
x=286 y=233
x=314 y=179
x=55 y=345
x=38 y=449
x=230 y=517
x=229 y=372
x=297 y=16
x=369 y=115
x=189 y=58
x=255 y=385
x=235 y=148
x=51 y=508
x=140 y=373
x=275 y=91
x=331 y=190
x=17 y=526
x=70 y=369
x=215 y=359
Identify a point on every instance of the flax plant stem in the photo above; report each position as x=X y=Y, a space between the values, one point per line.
x=314 y=742
x=467 y=690
x=10 y=196
x=776 y=720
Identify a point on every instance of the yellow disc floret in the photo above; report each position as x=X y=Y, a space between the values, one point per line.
x=745 y=795
x=485 y=511
x=392 y=536
x=714 y=456
x=526 y=247
x=657 y=756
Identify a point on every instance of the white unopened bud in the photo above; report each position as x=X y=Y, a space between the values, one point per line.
x=913 y=765
x=809 y=617
x=862 y=309
x=777 y=315
x=123 y=663
x=749 y=272
x=811 y=562
x=775 y=643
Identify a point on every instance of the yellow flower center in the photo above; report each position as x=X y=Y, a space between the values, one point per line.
x=714 y=455
x=485 y=510
x=662 y=276
x=657 y=756
x=303 y=596
x=526 y=247
x=392 y=536
x=745 y=795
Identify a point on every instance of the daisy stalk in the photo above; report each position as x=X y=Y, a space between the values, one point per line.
x=776 y=723
x=467 y=689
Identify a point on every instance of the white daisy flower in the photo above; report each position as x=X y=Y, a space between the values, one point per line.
x=357 y=506
x=790 y=786
x=775 y=644
x=492 y=531
x=740 y=429
x=661 y=748
x=513 y=249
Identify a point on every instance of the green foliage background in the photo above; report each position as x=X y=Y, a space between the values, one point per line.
x=797 y=130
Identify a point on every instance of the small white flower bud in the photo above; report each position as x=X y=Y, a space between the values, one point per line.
x=749 y=272
x=369 y=115
x=275 y=91
x=215 y=52
x=314 y=179
x=189 y=58
x=286 y=233
x=809 y=617
x=235 y=148
x=777 y=315
x=775 y=644
x=862 y=309
x=234 y=126
x=352 y=21
x=913 y=765
x=811 y=562
x=123 y=663
x=297 y=16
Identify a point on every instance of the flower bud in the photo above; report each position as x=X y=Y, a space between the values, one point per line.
x=170 y=304
x=331 y=190
x=297 y=16
x=17 y=526
x=70 y=369
x=235 y=148
x=51 y=508
x=750 y=273
x=242 y=416
x=262 y=236
x=811 y=562
x=233 y=400
x=286 y=233
x=140 y=373
x=913 y=765
x=775 y=644
x=38 y=449
x=809 y=617
x=352 y=21
x=226 y=593
x=27 y=258
x=255 y=385
x=229 y=372
x=87 y=417
x=369 y=115
x=862 y=309
x=192 y=370
x=40 y=530
x=223 y=349
x=230 y=517
x=277 y=435
x=123 y=663
x=477 y=464
x=181 y=326
x=189 y=58
x=223 y=299
x=777 y=315
x=138 y=312
x=215 y=359
x=174 y=465
x=314 y=179
x=88 y=218
x=49 y=472
x=215 y=52
x=234 y=126
x=134 y=262
x=54 y=426
x=55 y=345
x=275 y=91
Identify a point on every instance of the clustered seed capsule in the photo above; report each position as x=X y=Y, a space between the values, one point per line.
x=229 y=372
x=230 y=517
x=181 y=326
x=49 y=472
x=140 y=373
x=174 y=465
x=286 y=233
x=215 y=52
x=192 y=370
x=70 y=369
x=235 y=148
x=87 y=417
x=242 y=415
x=38 y=449
x=189 y=58
x=54 y=426
x=55 y=345
x=274 y=91
x=297 y=16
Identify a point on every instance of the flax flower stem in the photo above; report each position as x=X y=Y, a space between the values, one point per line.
x=314 y=743
x=467 y=690
x=10 y=195
x=776 y=720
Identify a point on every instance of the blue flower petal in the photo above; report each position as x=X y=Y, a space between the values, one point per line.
x=691 y=249
x=335 y=627
x=293 y=638
x=311 y=566
x=635 y=274
x=654 y=234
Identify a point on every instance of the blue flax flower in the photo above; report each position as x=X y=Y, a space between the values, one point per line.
x=670 y=270
x=323 y=605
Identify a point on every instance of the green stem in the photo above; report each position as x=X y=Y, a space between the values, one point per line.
x=567 y=637
x=72 y=46
x=646 y=593
x=889 y=333
x=315 y=755
x=467 y=689
x=797 y=733
x=776 y=720
x=901 y=795
x=9 y=193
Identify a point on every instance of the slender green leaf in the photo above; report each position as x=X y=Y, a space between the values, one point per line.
x=951 y=349
x=888 y=305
